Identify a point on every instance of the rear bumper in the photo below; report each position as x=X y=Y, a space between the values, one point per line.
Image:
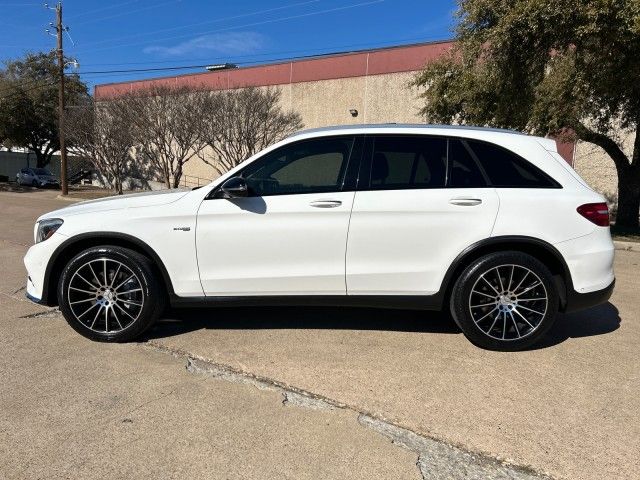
x=579 y=301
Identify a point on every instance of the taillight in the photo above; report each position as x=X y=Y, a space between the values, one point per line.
x=597 y=213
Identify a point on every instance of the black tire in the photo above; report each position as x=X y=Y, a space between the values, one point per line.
x=492 y=314
x=34 y=183
x=137 y=308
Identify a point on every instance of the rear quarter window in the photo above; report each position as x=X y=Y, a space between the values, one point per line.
x=506 y=169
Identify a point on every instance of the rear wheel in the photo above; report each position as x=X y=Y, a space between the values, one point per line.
x=505 y=301
x=110 y=294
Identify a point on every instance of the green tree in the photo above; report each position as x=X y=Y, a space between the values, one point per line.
x=29 y=103
x=567 y=68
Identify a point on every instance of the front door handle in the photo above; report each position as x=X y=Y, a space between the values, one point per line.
x=326 y=203
x=465 y=202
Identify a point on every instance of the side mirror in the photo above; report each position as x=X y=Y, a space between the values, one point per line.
x=234 y=187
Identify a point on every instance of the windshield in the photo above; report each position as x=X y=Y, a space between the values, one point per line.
x=41 y=171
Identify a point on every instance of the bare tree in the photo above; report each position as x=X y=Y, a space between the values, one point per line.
x=168 y=128
x=242 y=122
x=102 y=132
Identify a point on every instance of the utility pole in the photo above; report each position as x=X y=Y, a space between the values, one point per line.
x=63 y=152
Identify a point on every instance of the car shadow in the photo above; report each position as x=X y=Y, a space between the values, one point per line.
x=595 y=321
x=592 y=322
x=179 y=321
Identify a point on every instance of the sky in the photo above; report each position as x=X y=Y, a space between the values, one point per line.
x=159 y=34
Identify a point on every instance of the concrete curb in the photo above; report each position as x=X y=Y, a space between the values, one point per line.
x=627 y=246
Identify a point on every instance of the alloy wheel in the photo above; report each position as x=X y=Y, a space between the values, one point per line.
x=508 y=302
x=105 y=295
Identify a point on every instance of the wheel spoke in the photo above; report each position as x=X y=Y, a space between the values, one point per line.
x=530 y=288
x=130 y=302
x=106 y=319
x=83 y=291
x=500 y=279
x=531 y=299
x=485 y=294
x=82 y=301
x=123 y=310
x=488 y=283
x=113 y=310
x=483 y=305
x=94 y=273
x=85 y=312
x=125 y=281
x=521 y=280
x=513 y=267
x=115 y=275
x=130 y=291
x=523 y=317
x=485 y=315
x=515 y=324
x=504 y=325
x=495 y=320
x=96 y=317
x=85 y=280
x=531 y=310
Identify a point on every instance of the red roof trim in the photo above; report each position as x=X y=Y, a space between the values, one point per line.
x=344 y=65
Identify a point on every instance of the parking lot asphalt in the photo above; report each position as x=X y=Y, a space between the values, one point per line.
x=349 y=377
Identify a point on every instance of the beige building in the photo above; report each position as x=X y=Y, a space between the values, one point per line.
x=372 y=86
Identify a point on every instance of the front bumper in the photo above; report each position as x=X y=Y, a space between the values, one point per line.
x=580 y=301
x=36 y=262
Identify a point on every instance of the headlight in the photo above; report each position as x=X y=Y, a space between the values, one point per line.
x=46 y=228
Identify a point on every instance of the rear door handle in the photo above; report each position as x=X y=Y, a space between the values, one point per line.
x=326 y=203
x=465 y=202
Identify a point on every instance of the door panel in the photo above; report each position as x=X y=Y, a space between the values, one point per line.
x=406 y=226
x=401 y=242
x=289 y=235
x=274 y=245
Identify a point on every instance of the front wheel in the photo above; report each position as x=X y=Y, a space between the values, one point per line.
x=505 y=301
x=110 y=294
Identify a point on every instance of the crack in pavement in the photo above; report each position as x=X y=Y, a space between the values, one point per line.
x=52 y=312
x=436 y=459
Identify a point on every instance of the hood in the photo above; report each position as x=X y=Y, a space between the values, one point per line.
x=145 y=199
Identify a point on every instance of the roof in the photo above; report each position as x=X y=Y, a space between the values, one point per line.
x=401 y=58
x=402 y=126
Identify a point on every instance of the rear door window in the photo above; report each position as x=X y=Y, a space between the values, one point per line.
x=464 y=169
x=402 y=162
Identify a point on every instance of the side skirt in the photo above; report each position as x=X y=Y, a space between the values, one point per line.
x=404 y=302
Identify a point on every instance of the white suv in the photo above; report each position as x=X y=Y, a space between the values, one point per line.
x=493 y=225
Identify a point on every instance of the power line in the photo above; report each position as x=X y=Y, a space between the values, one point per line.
x=210 y=60
x=191 y=67
x=250 y=14
x=129 y=12
x=96 y=10
x=309 y=14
